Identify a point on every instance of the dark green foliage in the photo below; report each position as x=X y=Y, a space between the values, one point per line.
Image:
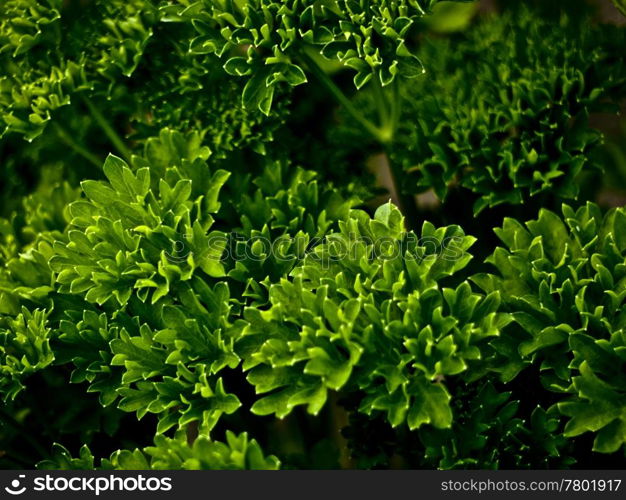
x=563 y=280
x=174 y=84
x=121 y=61
x=52 y=50
x=238 y=453
x=364 y=312
x=490 y=432
x=504 y=108
x=192 y=260
x=24 y=349
x=368 y=36
x=508 y=110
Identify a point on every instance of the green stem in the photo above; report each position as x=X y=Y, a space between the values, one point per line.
x=378 y=134
x=389 y=114
x=76 y=147
x=405 y=200
x=381 y=103
x=108 y=130
x=395 y=105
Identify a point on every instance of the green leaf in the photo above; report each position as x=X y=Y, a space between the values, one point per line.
x=257 y=94
x=430 y=406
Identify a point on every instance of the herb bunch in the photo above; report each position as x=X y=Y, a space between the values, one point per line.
x=254 y=234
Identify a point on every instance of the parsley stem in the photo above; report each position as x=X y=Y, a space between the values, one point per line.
x=406 y=201
x=389 y=113
x=108 y=130
x=381 y=103
x=76 y=147
x=381 y=135
x=395 y=105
